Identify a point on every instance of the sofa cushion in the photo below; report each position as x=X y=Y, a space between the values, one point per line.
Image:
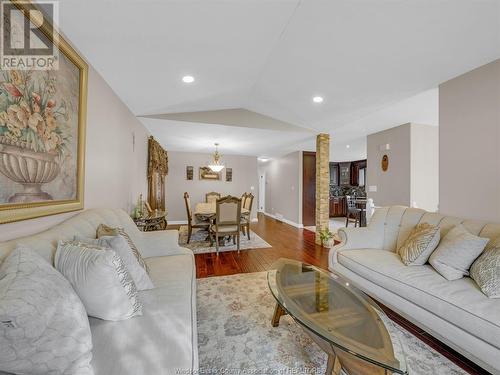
x=44 y=326
x=486 y=272
x=122 y=248
x=460 y=302
x=104 y=230
x=100 y=278
x=456 y=253
x=420 y=243
x=161 y=341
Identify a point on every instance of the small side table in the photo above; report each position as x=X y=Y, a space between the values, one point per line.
x=155 y=221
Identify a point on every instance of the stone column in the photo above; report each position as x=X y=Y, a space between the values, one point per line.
x=322 y=183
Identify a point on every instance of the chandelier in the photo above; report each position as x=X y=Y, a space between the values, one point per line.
x=216 y=165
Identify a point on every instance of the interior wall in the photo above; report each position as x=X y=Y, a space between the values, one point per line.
x=393 y=186
x=284 y=187
x=425 y=167
x=245 y=179
x=115 y=169
x=412 y=178
x=469 y=142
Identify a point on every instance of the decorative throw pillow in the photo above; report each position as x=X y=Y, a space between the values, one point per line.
x=100 y=279
x=120 y=245
x=44 y=328
x=418 y=247
x=456 y=252
x=486 y=272
x=104 y=230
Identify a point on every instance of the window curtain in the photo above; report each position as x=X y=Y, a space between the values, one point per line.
x=157 y=171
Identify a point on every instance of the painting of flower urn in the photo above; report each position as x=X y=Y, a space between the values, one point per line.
x=42 y=129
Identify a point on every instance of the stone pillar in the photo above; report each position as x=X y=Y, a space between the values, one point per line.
x=322 y=183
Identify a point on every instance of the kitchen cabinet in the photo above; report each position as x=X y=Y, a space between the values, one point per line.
x=338 y=206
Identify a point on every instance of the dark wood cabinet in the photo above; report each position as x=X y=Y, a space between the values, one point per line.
x=338 y=206
x=346 y=173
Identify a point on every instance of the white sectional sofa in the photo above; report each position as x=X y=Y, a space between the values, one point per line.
x=455 y=312
x=164 y=339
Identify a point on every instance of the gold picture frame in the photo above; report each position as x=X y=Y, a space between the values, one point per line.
x=207 y=174
x=10 y=212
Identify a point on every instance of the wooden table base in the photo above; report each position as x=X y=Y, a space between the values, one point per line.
x=278 y=313
x=339 y=362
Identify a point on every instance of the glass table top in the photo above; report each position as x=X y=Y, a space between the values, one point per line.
x=340 y=314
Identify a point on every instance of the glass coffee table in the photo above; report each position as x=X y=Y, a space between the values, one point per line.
x=342 y=320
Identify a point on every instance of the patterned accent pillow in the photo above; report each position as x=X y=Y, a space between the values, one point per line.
x=100 y=278
x=456 y=253
x=104 y=230
x=486 y=272
x=421 y=242
x=120 y=245
x=44 y=328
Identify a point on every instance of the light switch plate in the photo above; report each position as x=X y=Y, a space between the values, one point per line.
x=372 y=188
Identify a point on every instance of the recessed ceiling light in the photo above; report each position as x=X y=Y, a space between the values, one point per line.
x=347 y=146
x=188 y=79
x=263 y=158
x=318 y=99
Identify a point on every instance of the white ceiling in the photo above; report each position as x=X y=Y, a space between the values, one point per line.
x=376 y=62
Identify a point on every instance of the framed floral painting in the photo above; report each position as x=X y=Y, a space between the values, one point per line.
x=42 y=136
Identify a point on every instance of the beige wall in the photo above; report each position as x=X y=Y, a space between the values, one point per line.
x=469 y=117
x=115 y=171
x=244 y=179
x=393 y=186
x=412 y=178
x=424 y=183
x=284 y=187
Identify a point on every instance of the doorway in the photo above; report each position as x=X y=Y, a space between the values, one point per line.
x=308 y=188
x=262 y=193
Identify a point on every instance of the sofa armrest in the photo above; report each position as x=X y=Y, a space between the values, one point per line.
x=162 y=243
x=355 y=238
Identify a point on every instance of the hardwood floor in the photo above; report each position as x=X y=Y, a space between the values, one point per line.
x=294 y=243
x=286 y=242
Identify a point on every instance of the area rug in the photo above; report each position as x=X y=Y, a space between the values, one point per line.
x=199 y=243
x=235 y=334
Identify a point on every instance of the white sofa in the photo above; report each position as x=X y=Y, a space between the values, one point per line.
x=455 y=312
x=164 y=339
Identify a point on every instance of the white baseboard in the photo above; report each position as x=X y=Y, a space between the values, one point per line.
x=179 y=222
x=286 y=221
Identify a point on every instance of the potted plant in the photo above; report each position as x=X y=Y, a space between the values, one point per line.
x=326 y=238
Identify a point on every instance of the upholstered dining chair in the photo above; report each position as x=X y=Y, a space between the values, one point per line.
x=246 y=217
x=227 y=220
x=353 y=212
x=192 y=223
x=211 y=197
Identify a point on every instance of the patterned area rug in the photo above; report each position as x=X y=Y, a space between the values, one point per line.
x=199 y=243
x=235 y=334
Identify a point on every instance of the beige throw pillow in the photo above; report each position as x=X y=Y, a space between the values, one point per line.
x=100 y=278
x=456 y=252
x=104 y=230
x=486 y=272
x=421 y=242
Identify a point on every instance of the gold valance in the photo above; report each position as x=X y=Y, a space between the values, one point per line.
x=157 y=170
x=158 y=158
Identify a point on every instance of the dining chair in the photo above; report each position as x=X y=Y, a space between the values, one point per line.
x=192 y=222
x=243 y=199
x=246 y=217
x=211 y=197
x=353 y=212
x=227 y=220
